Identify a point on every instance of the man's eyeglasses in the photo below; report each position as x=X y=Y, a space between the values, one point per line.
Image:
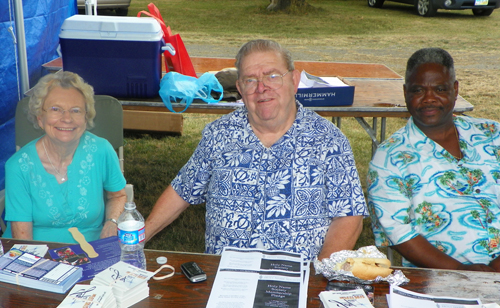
x=272 y=81
x=57 y=112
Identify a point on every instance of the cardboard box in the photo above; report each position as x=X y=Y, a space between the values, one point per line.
x=333 y=92
x=118 y=56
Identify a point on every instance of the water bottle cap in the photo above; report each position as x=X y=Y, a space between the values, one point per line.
x=161 y=260
x=129 y=205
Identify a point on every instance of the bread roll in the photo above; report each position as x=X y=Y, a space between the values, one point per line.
x=368 y=268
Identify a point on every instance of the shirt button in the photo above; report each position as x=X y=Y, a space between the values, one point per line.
x=478 y=191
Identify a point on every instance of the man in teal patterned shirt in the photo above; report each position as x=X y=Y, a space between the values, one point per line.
x=434 y=186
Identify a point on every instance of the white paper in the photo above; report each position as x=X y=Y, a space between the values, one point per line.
x=248 y=278
x=87 y=296
x=345 y=298
x=310 y=81
x=37 y=250
x=402 y=298
x=122 y=276
x=129 y=283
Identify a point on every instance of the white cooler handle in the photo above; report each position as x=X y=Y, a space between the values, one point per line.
x=170 y=48
x=91 y=7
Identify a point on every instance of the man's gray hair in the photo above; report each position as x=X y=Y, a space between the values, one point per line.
x=263 y=46
x=430 y=55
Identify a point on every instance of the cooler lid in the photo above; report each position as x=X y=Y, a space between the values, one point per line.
x=91 y=27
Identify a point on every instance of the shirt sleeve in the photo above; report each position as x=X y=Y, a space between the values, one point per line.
x=389 y=204
x=18 y=203
x=192 y=181
x=114 y=179
x=344 y=192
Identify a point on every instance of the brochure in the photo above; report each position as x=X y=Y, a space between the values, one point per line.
x=37 y=250
x=400 y=297
x=345 y=298
x=129 y=283
x=253 y=278
x=86 y=296
x=108 y=250
x=22 y=268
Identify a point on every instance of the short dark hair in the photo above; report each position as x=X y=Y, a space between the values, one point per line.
x=263 y=46
x=430 y=55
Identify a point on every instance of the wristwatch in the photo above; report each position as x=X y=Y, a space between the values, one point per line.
x=113 y=220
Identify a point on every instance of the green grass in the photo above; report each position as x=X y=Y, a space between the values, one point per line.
x=359 y=33
x=239 y=20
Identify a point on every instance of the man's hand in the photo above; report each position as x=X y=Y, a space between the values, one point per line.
x=423 y=254
x=341 y=235
x=168 y=207
x=495 y=264
x=475 y=267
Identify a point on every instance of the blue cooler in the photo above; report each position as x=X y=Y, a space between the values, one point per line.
x=118 y=56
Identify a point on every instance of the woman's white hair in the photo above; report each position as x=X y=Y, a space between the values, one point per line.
x=65 y=80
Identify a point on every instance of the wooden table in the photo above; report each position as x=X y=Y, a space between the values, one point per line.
x=378 y=94
x=177 y=291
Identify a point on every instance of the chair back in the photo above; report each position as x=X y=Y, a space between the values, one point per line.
x=108 y=122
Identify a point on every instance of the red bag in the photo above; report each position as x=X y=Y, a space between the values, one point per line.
x=180 y=62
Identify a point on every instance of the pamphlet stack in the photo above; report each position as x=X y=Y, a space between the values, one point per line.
x=129 y=283
x=85 y=296
x=31 y=271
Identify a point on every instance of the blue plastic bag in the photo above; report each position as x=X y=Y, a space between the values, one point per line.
x=175 y=87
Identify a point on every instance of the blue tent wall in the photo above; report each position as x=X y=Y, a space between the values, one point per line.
x=42 y=22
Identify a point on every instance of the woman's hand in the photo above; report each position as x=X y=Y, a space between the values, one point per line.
x=114 y=207
x=109 y=229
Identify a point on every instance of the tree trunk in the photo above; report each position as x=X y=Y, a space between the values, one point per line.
x=286 y=5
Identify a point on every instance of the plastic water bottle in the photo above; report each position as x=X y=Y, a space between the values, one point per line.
x=132 y=236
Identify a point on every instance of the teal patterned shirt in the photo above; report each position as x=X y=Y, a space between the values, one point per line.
x=416 y=187
x=34 y=195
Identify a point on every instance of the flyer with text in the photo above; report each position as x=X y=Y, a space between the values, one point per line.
x=108 y=250
x=253 y=278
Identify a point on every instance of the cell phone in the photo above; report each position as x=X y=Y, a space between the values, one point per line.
x=193 y=272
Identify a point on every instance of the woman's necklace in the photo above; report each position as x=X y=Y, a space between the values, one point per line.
x=458 y=140
x=63 y=177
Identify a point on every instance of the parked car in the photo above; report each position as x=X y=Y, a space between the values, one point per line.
x=428 y=8
x=119 y=6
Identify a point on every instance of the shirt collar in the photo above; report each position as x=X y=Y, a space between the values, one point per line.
x=420 y=141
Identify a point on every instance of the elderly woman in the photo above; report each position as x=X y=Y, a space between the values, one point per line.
x=67 y=178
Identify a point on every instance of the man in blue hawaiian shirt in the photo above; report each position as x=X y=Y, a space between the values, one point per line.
x=273 y=174
x=434 y=187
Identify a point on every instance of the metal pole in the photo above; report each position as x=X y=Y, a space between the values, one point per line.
x=21 y=46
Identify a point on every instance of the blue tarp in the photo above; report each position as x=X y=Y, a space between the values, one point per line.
x=42 y=23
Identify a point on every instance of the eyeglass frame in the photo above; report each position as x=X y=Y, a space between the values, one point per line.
x=63 y=111
x=267 y=86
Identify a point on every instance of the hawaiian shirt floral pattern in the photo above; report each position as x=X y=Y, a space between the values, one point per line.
x=416 y=187
x=282 y=197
